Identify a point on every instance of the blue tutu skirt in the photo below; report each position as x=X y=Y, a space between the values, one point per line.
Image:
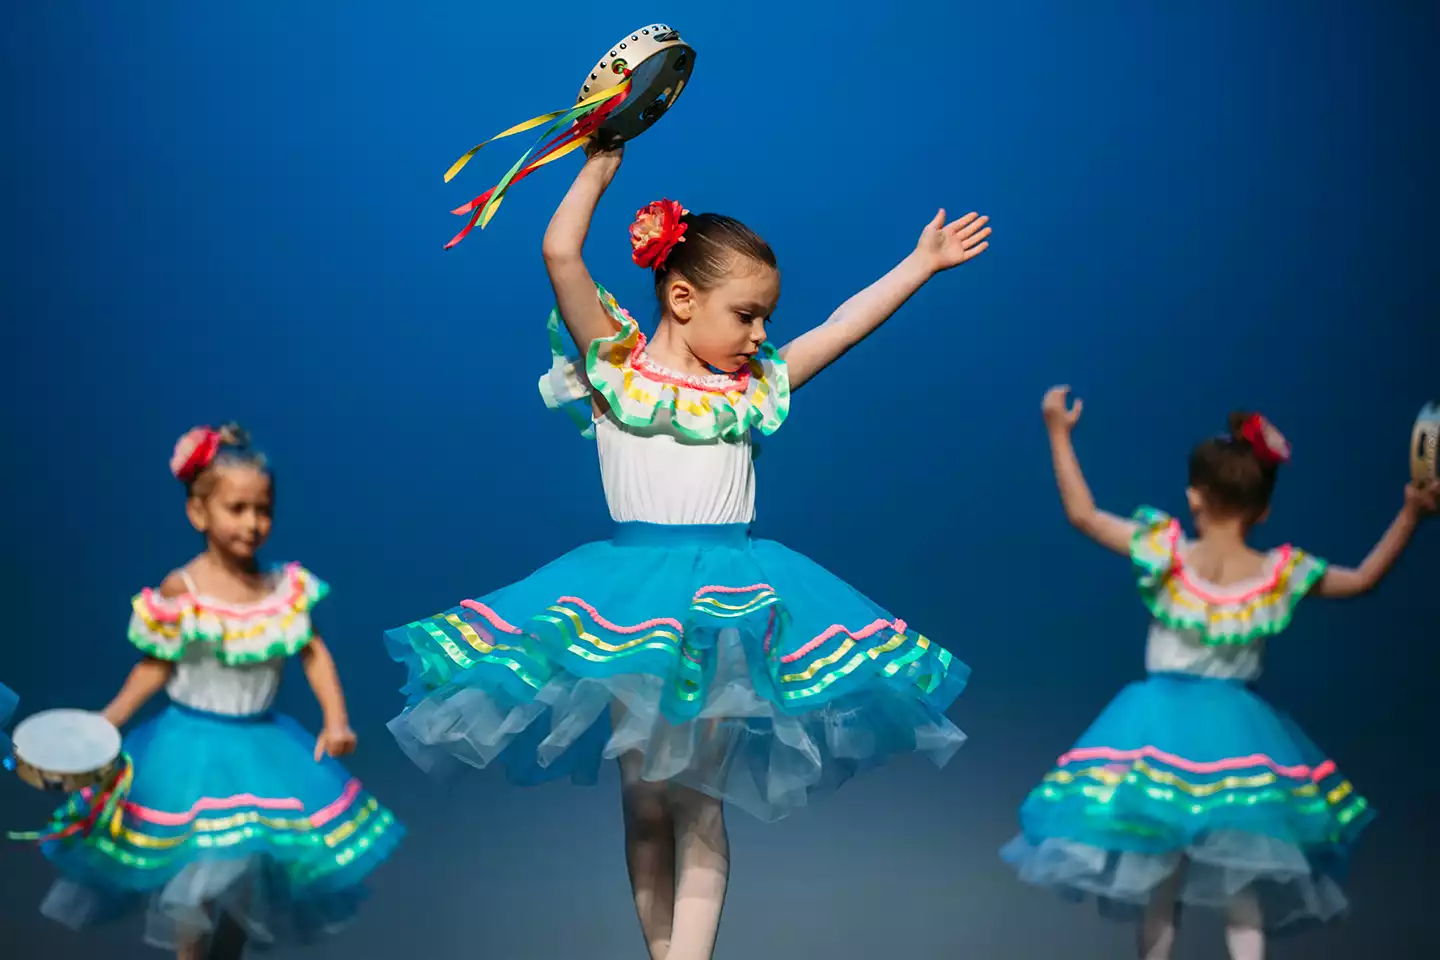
x=219 y=815
x=8 y=702
x=1201 y=775
x=733 y=666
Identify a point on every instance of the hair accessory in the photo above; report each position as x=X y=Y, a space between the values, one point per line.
x=657 y=229
x=1269 y=444
x=194 y=452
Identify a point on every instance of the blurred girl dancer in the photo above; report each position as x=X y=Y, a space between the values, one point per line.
x=1189 y=788
x=714 y=666
x=233 y=808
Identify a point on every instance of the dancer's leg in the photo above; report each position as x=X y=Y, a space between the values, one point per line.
x=703 y=858
x=649 y=853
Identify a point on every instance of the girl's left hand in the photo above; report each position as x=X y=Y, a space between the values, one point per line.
x=336 y=740
x=943 y=245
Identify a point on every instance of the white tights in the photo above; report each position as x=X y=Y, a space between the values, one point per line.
x=679 y=860
x=1244 y=927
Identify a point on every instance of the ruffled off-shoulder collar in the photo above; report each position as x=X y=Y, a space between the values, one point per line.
x=278 y=625
x=1234 y=615
x=722 y=406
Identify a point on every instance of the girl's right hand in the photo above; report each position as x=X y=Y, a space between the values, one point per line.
x=605 y=151
x=1058 y=415
x=1422 y=497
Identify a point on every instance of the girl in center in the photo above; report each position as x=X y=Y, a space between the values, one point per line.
x=715 y=667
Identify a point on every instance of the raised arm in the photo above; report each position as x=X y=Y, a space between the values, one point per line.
x=564 y=242
x=1106 y=529
x=1343 y=582
x=941 y=247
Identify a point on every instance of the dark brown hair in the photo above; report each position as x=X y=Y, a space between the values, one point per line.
x=1232 y=478
x=710 y=244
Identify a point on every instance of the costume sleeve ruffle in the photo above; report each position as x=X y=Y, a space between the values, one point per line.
x=722 y=406
x=1216 y=617
x=279 y=626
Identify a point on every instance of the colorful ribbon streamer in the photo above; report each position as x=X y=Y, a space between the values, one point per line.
x=108 y=808
x=586 y=117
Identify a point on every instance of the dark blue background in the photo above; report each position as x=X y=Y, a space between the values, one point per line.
x=235 y=210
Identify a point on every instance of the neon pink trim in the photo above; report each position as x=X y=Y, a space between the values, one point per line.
x=1194 y=766
x=1178 y=568
x=616 y=628
x=170 y=609
x=332 y=810
x=211 y=803
x=495 y=619
x=753 y=588
x=322 y=816
x=876 y=627
x=641 y=362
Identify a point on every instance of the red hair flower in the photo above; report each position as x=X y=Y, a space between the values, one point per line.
x=1269 y=444
x=194 y=452
x=656 y=230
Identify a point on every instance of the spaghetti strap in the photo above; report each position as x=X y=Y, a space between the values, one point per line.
x=189 y=582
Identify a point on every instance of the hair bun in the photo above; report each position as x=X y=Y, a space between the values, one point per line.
x=1267 y=443
x=234 y=435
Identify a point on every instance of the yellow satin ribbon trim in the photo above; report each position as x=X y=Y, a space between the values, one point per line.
x=531 y=124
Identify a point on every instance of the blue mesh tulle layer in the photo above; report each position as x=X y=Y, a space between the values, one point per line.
x=1200 y=775
x=226 y=815
x=734 y=666
x=8 y=702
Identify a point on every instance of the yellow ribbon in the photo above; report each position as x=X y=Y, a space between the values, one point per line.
x=531 y=124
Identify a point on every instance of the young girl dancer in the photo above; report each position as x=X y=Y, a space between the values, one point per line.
x=714 y=666
x=1189 y=788
x=227 y=806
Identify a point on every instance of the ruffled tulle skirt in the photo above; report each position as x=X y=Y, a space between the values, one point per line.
x=1200 y=775
x=220 y=815
x=8 y=702
x=732 y=666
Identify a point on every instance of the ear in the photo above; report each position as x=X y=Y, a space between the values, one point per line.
x=195 y=510
x=1193 y=498
x=680 y=298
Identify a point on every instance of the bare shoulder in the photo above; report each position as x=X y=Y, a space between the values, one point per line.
x=174 y=585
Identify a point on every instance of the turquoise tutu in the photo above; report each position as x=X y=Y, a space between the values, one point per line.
x=8 y=702
x=1181 y=768
x=734 y=666
x=220 y=814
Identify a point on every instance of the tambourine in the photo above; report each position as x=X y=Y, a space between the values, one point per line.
x=67 y=750
x=627 y=91
x=1423 y=443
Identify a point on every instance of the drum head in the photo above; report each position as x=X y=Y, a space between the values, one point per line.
x=660 y=64
x=1423 y=445
x=66 y=742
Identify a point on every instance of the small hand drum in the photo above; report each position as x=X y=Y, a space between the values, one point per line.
x=657 y=63
x=67 y=750
x=629 y=89
x=1423 y=443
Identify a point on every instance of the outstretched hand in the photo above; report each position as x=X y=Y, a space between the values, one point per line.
x=1423 y=498
x=1058 y=415
x=943 y=245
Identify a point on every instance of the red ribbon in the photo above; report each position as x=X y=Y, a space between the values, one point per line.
x=582 y=128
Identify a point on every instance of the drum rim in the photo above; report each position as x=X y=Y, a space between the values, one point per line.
x=114 y=741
